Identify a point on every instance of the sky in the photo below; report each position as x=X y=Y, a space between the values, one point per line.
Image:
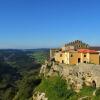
x=27 y=24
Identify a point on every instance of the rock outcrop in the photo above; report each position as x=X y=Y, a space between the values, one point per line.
x=39 y=96
x=77 y=76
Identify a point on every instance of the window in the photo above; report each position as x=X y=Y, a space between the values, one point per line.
x=84 y=61
x=60 y=55
x=62 y=61
x=80 y=46
x=71 y=55
x=79 y=60
x=84 y=55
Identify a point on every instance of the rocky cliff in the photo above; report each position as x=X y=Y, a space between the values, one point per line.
x=77 y=76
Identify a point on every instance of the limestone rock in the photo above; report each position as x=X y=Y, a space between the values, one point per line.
x=39 y=96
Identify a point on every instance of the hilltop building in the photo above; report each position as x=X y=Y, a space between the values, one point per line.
x=75 y=52
x=77 y=44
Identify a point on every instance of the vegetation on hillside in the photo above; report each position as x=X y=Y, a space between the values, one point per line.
x=57 y=89
x=40 y=56
x=18 y=74
x=26 y=86
x=8 y=77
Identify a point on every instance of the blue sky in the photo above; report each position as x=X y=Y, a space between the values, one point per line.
x=48 y=23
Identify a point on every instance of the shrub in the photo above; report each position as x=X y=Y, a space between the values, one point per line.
x=55 y=88
x=98 y=92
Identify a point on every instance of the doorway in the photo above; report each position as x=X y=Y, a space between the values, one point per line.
x=93 y=84
x=62 y=61
x=79 y=60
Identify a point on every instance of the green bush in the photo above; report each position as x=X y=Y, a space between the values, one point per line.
x=62 y=90
x=98 y=92
x=26 y=87
x=87 y=91
x=55 y=88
